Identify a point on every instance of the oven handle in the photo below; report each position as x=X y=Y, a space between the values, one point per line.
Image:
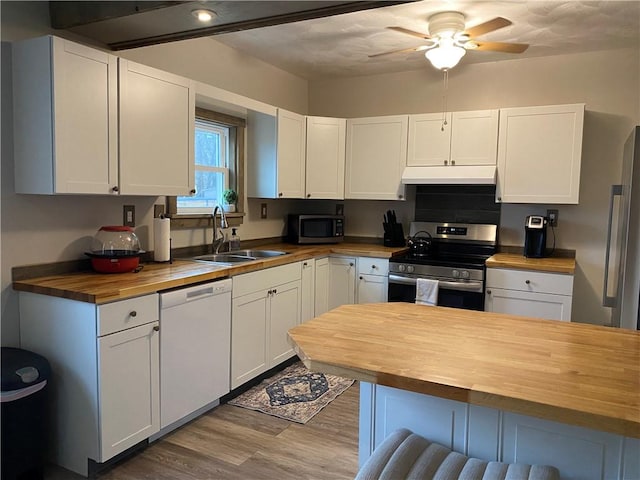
x=459 y=286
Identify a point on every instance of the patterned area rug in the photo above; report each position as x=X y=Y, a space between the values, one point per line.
x=295 y=393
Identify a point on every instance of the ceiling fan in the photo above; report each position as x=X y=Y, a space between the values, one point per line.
x=448 y=40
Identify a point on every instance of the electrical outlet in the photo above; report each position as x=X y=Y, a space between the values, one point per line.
x=552 y=215
x=263 y=210
x=129 y=215
x=158 y=211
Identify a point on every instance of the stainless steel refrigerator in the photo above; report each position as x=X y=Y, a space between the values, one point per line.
x=622 y=261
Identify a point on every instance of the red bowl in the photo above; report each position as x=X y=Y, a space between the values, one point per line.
x=115 y=264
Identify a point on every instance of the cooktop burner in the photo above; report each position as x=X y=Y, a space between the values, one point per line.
x=456 y=245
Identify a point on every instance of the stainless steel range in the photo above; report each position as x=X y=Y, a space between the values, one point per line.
x=452 y=253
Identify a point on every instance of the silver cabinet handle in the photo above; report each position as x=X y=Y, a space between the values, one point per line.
x=607 y=301
x=133 y=313
x=156 y=328
x=488 y=292
x=527 y=282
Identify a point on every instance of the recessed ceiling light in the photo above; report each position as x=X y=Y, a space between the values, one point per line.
x=204 y=15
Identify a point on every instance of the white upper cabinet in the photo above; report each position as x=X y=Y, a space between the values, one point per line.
x=276 y=155
x=69 y=138
x=539 y=154
x=325 y=157
x=458 y=138
x=65 y=117
x=291 y=154
x=157 y=114
x=375 y=158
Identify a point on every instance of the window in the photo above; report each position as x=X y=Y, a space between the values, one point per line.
x=211 y=168
x=219 y=162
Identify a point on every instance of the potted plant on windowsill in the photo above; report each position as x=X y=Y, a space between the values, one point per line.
x=229 y=197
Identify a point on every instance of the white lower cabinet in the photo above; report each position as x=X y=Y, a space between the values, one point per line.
x=105 y=387
x=342 y=281
x=321 y=301
x=528 y=293
x=495 y=435
x=373 y=281
x=308 y=290
x=357 y=280
x=265 y=305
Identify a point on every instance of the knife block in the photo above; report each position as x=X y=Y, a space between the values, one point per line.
x=393 y=235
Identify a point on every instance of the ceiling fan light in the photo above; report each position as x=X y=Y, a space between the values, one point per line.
x=445 y=57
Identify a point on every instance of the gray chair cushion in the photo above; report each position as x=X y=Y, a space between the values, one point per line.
x=405 y=455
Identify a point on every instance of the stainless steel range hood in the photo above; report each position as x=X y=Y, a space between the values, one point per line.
x=129 y=24
x=450 y=175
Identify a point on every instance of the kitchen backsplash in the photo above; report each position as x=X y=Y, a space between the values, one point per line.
x=457 y=203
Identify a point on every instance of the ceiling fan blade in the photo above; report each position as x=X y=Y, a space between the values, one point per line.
x=487 y=27
x=410 y=32
x=501 y=47
x=412 y=49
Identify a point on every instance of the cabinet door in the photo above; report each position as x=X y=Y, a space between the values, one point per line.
x=539 y=154
x=129 y=388
x=65 y=117
x=249 y=315
x=539 y=305
x=325 y=157
x=429 y=139
x=342 y=276
x=291 y=153
x=308 y=290
x=376 y=156
x=157 y=114
x=372 y=288
x=474 y=138
x=322 y=286
x=284 y=314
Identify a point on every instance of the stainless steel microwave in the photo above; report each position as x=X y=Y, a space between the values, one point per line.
x=309 y=229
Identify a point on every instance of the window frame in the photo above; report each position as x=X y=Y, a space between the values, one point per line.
x=237 y=128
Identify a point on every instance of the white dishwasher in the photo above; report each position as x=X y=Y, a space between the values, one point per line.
x=195 y=343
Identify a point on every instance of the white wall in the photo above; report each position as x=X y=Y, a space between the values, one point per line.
x=608 y=82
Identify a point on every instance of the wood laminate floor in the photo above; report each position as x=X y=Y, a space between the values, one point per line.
x=238 y=444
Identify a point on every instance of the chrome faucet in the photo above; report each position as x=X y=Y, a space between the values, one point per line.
x=216 y=243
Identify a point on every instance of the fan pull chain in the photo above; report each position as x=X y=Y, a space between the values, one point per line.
x=444 y=100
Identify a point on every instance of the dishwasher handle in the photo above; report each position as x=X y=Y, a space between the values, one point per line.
x=181 y=296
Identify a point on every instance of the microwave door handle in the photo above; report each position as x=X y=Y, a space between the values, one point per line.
x=609 y=301
x=459 y=286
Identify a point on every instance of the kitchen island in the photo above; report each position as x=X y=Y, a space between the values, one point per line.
x=493 y=386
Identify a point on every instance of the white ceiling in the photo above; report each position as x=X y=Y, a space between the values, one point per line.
x=341 y=45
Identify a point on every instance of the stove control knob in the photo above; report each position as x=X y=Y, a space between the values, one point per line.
x=465 y=274
x=402 y=268
x=455 y=273
x=410 y=269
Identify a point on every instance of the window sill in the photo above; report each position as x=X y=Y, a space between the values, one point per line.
x=203 y=220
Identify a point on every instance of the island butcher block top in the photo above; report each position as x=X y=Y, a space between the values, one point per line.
x=573 y=373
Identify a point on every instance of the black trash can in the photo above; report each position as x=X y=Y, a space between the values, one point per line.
x=24 y=413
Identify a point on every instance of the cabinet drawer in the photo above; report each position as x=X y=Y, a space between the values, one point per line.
x=373 y=266
x=528 y=281
x=267 y=278
x=117 y=316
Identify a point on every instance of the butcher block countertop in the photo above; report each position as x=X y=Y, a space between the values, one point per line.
x=92 y=287
x=572 y=373
x=520 y=262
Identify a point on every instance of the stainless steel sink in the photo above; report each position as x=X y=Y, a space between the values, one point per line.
x=238 y=256
x=224 y=258
x=258 y=253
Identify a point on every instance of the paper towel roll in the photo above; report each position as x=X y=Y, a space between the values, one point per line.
x=161 y=239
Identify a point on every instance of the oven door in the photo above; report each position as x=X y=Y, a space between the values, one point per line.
x=468 y=295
